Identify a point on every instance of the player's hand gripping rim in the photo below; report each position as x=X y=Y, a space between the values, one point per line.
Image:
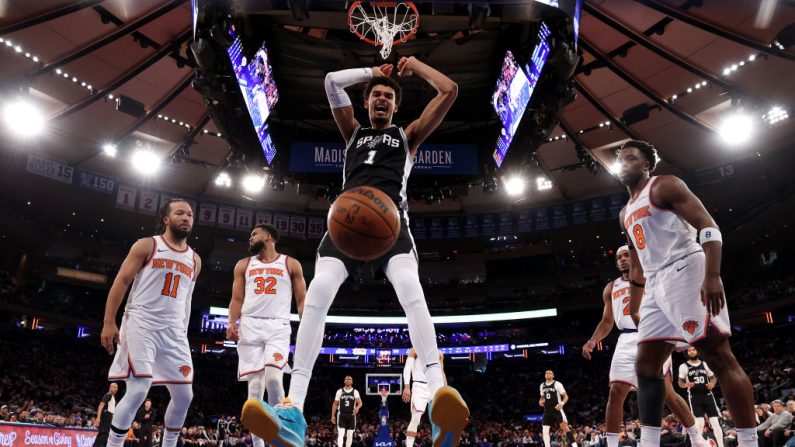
x=383 y=70
x=110 y=337
x=712 y=294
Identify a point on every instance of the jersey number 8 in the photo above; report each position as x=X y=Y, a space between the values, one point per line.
x=640 y=238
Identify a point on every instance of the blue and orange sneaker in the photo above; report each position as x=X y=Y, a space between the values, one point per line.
x=283 y=426
x=449 y=416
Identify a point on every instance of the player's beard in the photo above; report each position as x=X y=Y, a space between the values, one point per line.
x=178 y=232
x=256 y=247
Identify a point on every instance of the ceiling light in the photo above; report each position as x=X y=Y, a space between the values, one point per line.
x=253 y=183
x=145 y=161
x=690 y=90
x=58 y=71
x=109 y=149
x=23 y=118
x=726 y=71
x=223 y=179
x=736 y=128
x=615 y=168
x=734 y=67
x=18 y=49
x=543 y=184
x=751 y=58
x=514 y=186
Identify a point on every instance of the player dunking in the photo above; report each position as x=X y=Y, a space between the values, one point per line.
x=380 y=156
x=263 y=287
x=553 y=398
x=622 y=369
x=696 y=377
x=415 y=392
x=347 y=403
x=684 y=299
x=153 y=340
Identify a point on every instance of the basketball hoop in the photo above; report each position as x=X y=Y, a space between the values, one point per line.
x=383 y=23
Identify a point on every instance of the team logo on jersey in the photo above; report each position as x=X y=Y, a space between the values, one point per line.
x=690 y=326
x=277 y=357
x=185 y=370
x=372 y=141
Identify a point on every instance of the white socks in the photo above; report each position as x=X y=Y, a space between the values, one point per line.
x=409 y=441
x=716 y=428
x=330 y=273
x=747 y=437
x=545 y=435
x=340 y=436
x=612 y=439
x=695 y=434
x=649 y=436
x=349 y=439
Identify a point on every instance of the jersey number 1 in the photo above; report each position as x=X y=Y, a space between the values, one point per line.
x=171 y=286
x=370 y=157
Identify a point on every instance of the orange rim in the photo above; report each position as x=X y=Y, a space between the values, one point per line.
x=358 y=3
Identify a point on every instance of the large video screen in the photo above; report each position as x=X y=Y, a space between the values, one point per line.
x=255 y=78
x=509 y=100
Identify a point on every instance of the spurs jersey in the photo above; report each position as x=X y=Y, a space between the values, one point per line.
x=269 y=289
x=161 y=292
x=379 y=158
x=661 y=236
x=619 y=297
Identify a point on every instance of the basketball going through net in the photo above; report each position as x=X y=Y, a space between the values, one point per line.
x=383 y=23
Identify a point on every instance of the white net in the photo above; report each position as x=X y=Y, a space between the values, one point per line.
x=385 y=25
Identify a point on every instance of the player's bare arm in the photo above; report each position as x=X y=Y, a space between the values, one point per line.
x=236 y=303
x=299 y=284
x=446 y=93
x=672 y=192
x=605 y=324
x=197 y=261
x=407 y=369
x=565 y=398
x=136 y=258
x=357 y=406
x=334 y=407
x=341 y=108
x=99 y=414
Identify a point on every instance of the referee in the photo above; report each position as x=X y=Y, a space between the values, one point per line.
x=347 y=403
x=699 y=380
x=105 y=415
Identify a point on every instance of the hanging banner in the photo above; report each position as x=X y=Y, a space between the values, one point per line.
x=50 y=169
x=505 y=225
x=560 y=217
x=437 y=228
x=418 y=228
x=281 y=222
x=226 y=216
x=207 y=213
x=165 y=198
x=96 y=182
x=617 y=201
x=297 y=226
x=263 y=218
x=579 y=214
x=453 y=227
x=598 y=211
x=542 y=219
x=244 y=219
x=524 y=222
x=471 y=226
x=149 y=202
x=125 y=197
x=488 y=224
x=315 y=229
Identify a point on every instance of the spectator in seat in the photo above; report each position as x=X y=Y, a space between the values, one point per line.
x=771 y=432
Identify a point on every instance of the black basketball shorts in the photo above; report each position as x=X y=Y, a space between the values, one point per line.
x=346 y=421
x=553 y=416
x=703 y=404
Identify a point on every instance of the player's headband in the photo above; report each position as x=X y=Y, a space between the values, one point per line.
x=622 y=248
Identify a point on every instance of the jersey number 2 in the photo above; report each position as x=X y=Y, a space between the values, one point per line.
x=265 y=285
x=171 y=286
x=370 y=157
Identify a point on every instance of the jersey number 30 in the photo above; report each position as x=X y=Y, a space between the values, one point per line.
x=265 y=285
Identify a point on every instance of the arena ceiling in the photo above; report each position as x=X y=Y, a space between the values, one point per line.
x=637 y=54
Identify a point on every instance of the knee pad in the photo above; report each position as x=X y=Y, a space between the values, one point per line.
x=414 y=422
x=651 y=396
x=256 y=389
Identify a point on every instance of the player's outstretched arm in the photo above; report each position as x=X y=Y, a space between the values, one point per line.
x=340 y=102
x=299 y=284
x=236 y=303
x=673 y=193
x=435 y=111
x=605 y=325
x=139 y=254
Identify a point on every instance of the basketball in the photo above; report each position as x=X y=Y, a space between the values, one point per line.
x=363 y=223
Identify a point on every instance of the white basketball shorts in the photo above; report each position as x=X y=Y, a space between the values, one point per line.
x=163 y=354
x=263 y=342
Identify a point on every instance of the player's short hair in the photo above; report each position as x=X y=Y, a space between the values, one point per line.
x=271 y=230
x=647 y=149
x=382 y=80
x=164 y=211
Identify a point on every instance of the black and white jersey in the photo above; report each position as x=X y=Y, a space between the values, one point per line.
x=552 y=394
x=379 y=158
x=347 y=400
x=697 y=373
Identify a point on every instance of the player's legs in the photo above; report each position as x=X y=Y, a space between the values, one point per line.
x=651 y=388
x=411 y=430
x=614 y=414
x=330 y=273
x=256 y=390
x=712 y=413
x=349 y=438
x=134 y=397
x=177 y=410
x=340 y=431
x=545 y=435
x=737 y=390
x=273 y=380
x=682 y=412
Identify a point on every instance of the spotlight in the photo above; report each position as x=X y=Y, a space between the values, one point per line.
x=109 y=149
x=145 y=161
x=253 y=183
x=23 y=118
x=514 y=185
x=751 y=58
x=726 y=71
x=543 y=184
x=737 y=128
x=615 y=168
x=223 y=179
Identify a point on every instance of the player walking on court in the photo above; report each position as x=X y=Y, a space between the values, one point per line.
x=553 y=398
x=675 y=247
x=263 y=287
x=415 y=392
x=153 y=340
x=380 y=156
x=347 y=403
x=622 y=369
x=696 y=377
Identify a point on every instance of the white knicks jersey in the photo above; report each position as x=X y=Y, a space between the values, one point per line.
x=660 y=236
x=418 y=372
x=161 y=292
x=619 y=298
x=269 y=289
